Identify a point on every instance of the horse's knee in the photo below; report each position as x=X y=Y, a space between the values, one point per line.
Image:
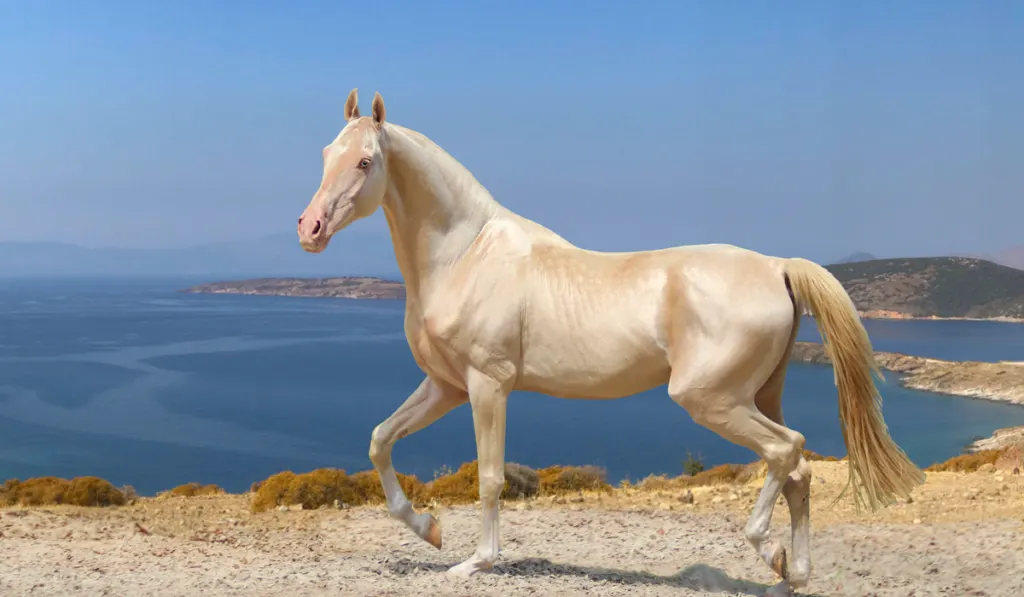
x=491 y=486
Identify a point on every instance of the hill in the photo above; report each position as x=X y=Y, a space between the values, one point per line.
x=940 y=287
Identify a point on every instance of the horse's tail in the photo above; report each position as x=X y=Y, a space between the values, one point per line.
x=881 y=467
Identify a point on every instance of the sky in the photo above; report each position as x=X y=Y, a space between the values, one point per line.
x=805 y=128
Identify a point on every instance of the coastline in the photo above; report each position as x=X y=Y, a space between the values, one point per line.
x=999 y=382
x=373 y=288
x=356 y=287
x=1002 y=381
x=883 y=314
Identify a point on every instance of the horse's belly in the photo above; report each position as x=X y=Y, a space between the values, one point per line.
x=596 y=369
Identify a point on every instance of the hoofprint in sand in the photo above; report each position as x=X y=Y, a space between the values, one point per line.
x=960 y=535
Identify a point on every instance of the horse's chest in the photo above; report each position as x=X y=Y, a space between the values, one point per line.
x=435 y=356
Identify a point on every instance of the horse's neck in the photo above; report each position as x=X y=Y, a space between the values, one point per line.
x=434 y=207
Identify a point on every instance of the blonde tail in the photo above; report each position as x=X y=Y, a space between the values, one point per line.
x=881 y=467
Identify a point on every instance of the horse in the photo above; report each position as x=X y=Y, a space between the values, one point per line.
x=496 y=302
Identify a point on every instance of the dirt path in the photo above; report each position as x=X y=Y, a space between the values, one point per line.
x=962 y=536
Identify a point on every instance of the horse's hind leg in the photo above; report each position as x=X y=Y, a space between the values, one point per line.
x=729 y=411
x=428 y=403
x=797 y=488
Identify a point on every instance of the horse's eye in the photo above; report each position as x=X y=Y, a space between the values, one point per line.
x=364 y=163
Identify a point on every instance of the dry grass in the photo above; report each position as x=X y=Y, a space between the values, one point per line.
x=967 y=463
x=328 y=487
x=194 y=489
x=325 y=487
x=51 y=491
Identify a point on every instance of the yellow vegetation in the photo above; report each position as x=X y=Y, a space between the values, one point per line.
x=323 y=487
x=194 y=489
x=966 y=463
x=327 y=487
x=50 y=491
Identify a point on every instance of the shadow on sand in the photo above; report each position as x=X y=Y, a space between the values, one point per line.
x=698 y=577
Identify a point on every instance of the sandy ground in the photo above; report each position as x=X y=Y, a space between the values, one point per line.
x=962 y=535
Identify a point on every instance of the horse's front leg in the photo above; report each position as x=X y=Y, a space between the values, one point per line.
x=489 y=399
x=428 y=403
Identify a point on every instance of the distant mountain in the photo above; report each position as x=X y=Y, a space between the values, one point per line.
x=934 y=287
x=353 y=252
x=859 y=256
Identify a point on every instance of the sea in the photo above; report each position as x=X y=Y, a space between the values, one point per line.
x=141 y=384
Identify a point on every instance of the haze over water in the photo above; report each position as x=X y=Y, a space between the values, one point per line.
x=134 y=382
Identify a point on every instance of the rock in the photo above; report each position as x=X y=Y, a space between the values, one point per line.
x=988 y=467
x=686 y=498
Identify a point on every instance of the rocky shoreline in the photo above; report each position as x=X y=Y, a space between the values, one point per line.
x=344 y=287
x=882 y=314
x=1002 y=381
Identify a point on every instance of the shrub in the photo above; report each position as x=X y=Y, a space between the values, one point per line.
x=966 y=463
x=692 y=466
x=41 y=491
x=368 y=488
x=459 y=487
x=322 y=487
x=557 y=480
x=92 y=491
x=271 y=491
x=720 y=475
x=194 y=489
x=521 y=481
x=463 y=485
x=50 y=491
x=9 y=493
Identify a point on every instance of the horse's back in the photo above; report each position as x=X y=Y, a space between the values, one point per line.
x=606 y=324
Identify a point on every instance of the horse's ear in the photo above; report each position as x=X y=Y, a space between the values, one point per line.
x=378 y=109
x=352 y=104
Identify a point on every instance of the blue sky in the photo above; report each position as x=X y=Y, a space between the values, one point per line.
x=812 y=128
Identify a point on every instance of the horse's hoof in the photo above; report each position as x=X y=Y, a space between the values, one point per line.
x=780 y=564
x=433 y=535
x=470 y=567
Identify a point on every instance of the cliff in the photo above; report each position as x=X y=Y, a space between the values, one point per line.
x=352 y=288
x=1002 y=382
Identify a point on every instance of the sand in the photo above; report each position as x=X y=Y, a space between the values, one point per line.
x=962 y=535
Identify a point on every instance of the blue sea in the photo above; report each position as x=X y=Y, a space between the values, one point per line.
x=135 y=382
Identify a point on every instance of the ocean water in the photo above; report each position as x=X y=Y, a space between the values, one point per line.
x=135 y=382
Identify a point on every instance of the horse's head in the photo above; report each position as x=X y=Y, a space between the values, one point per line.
x=354 y=178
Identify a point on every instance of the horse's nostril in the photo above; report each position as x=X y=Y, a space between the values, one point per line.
x=316 y=228
x=300 y=219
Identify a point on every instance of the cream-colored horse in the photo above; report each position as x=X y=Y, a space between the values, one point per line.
x=496 y=303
